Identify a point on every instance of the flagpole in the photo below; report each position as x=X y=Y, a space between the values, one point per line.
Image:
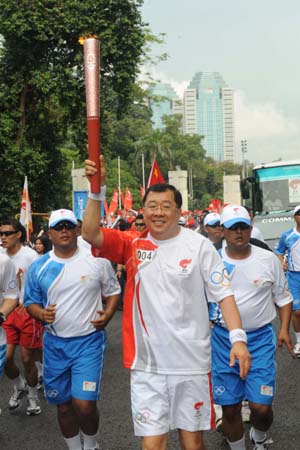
x=143 y=170
x=26 y=214
x=119 y=181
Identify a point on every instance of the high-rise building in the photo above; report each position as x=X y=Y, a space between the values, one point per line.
x=165 y=102
x=208 y=111
x=190 y=111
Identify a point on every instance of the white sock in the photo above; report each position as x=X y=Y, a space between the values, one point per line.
x=257 y=435
x=89 y=442
x=33 y=393
x=39 y=367
x=19 y=382
x=74 y=443
x=297 y=337
x=237 y=445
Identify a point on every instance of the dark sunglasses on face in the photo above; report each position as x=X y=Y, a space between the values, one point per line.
x=61 y=225
x=215 y=225
x=297 y=213
x=240 y=225
x=140 y=225
x=7 y=233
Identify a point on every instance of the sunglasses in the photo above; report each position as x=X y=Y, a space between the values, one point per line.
x=140 y=224
x=297 y=213
x=61 y=225
x=239 y=226
x=7 y=233
x=215 y=225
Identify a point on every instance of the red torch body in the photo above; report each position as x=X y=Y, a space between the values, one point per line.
x=91 y=48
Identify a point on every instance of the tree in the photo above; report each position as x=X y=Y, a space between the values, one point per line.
x=42 y=92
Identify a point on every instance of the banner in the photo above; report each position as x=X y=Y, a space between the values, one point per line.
x=25 y=211
x=80 y=201
x=155 y=176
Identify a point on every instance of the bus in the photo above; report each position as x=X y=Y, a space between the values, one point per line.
x=274 y=190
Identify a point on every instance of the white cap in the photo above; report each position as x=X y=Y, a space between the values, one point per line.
x=232 y=214
x=297 y=208
x=62 y=214
x=211 y=219
x=182 y=221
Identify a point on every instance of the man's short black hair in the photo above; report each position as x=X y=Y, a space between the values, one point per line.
x=160 y=187
x=140 y=217
x=17 y=226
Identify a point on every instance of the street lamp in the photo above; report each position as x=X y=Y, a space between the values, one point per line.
x=244 y=150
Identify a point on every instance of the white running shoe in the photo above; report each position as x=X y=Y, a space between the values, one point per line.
x=245 y=411
x=15 y=399
x=260 y=445
x=33 y=408
x=297 y=349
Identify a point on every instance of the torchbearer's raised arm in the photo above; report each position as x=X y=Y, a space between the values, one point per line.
x=91 y=230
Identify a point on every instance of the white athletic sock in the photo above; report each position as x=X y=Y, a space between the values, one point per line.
x=237 y=445
x=74 y=443
x=39 y=367
x=297 y=336
x=33 y=393
x=19 y=382
x=89 y=442
x=258 y=435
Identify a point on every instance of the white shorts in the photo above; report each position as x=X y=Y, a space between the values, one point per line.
x=163 y=402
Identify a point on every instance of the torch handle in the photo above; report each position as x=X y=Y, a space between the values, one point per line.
x=93 y=127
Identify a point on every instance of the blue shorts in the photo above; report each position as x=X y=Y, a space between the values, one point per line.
x=259 y=385
x=73 y=367
x=293 y=279
x=2 y=357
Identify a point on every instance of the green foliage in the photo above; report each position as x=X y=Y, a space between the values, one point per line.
x=43 y=112
x=42 y=93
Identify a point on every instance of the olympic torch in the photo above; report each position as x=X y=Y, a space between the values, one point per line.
x=91 y=51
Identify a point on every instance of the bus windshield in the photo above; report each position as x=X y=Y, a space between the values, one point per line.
x=276 y=188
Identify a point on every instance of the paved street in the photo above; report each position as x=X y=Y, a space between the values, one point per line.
x=19 y=432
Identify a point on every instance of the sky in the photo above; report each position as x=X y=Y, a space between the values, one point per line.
x=255 y=46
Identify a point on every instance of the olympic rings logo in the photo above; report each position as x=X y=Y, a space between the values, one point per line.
x=52 y=393
x=12 y=284
x=142 y=417
x=221 y=278
x=219 y=390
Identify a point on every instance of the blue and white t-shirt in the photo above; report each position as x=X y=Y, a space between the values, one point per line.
x=75 y=286
x=290 y=242
x=8 y=286
x=258 y=283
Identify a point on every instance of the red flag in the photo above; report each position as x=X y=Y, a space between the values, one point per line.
x=122 y=197
x=142 y=191
x=128 y=200
x=155 y=175
x=106 y=207
x=25 y=212
x=114 y=202
x=215 y=205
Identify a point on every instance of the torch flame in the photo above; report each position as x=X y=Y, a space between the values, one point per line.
x=87 y=36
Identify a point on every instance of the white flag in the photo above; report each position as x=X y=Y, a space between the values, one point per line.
x=25 y=211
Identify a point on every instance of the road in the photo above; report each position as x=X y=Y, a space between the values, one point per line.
x=19 y=432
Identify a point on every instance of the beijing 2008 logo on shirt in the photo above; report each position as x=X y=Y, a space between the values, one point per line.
x=184 y=264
